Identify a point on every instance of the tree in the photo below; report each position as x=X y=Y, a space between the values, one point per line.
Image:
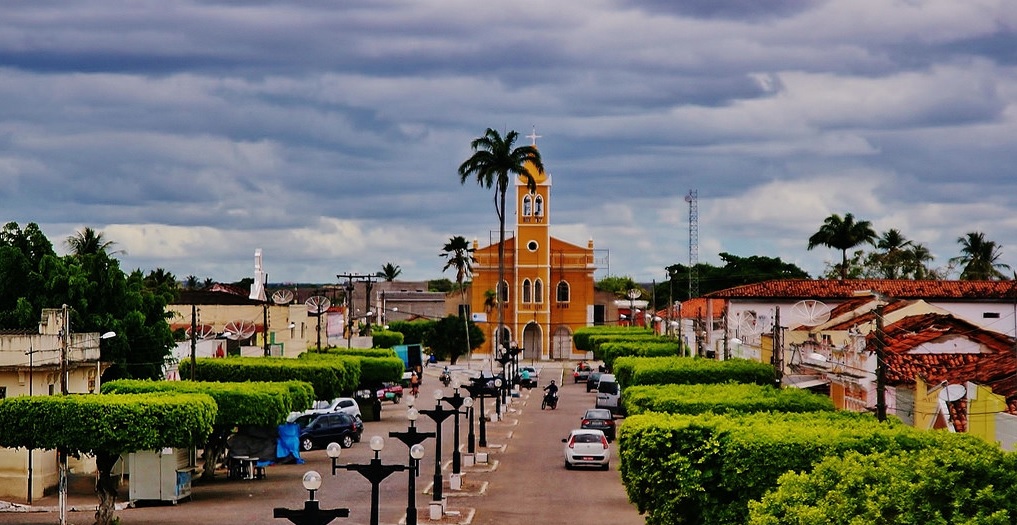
x=493 y=161
x=191 y=282
x=106 y=426
x=843 y=234
x=88 y=241
x=448 y=337
x=389 y=272
x=459 y=255
x=980 y=258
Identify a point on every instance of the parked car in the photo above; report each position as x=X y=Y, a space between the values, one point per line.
x=347 y=405
x=608 y=393
x=599 y=419
x=591 y=382
x=318 y=430
x=534 y=379
x=587 y=448
x=581 y=372
x=389 y=391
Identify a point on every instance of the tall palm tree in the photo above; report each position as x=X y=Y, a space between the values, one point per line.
x=191 y=282
x=843 y=234
x=893 y=261
x=460 y=256
x=917 y=262
x=88 y=241
x=493 y=162
x=389 y=272
x=979 y=258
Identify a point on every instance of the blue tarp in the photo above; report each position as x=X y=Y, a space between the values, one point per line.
x=288 y=445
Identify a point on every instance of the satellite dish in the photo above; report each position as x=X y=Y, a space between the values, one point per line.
x=811 y=312
x=953 y=393
x=204 y=331
x=317 y=305
x=282 y=297
x=750 y=323
x=237 y=330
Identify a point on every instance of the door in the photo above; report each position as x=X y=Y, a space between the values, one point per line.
x=533 y=348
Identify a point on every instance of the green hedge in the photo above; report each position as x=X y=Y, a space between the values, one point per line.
x=374 y=365
x=413 y=331
x=611 y=350
x=932 y=486
x=705 y=469
x=582 y=336
x=111 y=424
x=248 y=403
x=386 y=338
x=330 y=378
x=690 y=370
x=721 y=398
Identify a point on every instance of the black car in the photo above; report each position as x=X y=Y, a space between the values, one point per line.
x=318 y=430
x=600 y=419
x=592 y=380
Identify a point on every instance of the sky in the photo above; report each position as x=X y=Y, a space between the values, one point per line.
x=329 y=133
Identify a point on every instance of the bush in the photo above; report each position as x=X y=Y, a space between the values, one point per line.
x=582 y=337
x=728 y=398
x=330 y=377
x=690 y=370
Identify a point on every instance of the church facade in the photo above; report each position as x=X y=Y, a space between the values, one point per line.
x=548 y=291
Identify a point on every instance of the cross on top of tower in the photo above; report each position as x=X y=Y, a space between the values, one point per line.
x=533 y=136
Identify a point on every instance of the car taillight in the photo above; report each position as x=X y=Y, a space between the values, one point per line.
x=585 y=422
x=572 y=442
x=603 y=439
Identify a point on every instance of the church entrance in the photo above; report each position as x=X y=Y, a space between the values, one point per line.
x=561 y=343
x=533 y=348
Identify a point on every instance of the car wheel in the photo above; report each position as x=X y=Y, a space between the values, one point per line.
x=357 y=437
x=396 y=399
x=568 y=466
x=306 y=444
x=607 y=466
x=347 y=441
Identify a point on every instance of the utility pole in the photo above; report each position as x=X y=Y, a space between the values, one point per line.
x=65 y=334
x=880 y=365
x=194 y=339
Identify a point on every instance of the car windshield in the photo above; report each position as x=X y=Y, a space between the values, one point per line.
x=607 y=387
x=598 y=414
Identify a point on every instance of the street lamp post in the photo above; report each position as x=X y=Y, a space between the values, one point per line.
x=375 y=472
x=477 y=390
x=438 y=414
x=412 y=438
x=456 y=401
x=311 y=514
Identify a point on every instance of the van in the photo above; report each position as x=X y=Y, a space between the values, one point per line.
x=609 y=394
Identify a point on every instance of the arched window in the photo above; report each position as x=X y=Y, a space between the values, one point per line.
x=538 y=291
x=503 y=289
x=526 y=291
x=526 y=206
x=539 y=202
x=562 y=293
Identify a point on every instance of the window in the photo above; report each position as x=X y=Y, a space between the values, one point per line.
x=539 y=204
x=527 y=203
x=532 y=246
x=538 y=291
x=503 y=292
x=526 y=291
x=562 y=293
x=990 y=315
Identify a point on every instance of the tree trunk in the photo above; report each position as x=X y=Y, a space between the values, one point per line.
x=214 y=450
x=501 y=271
x=105 y=487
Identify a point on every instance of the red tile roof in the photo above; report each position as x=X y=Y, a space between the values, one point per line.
x=896 y=288
x=697 y=309
x=862 y=317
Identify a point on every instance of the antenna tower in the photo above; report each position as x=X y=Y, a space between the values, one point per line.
x=693 y=199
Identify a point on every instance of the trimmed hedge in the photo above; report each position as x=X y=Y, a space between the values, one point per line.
x=111 y=424
x=386 y=338
x=705 y=469
x=373 y=365
x=330 y=378
x=609 y=351
x=690 y=370
x=582 y=336
x=249 y=403
x=728 y=398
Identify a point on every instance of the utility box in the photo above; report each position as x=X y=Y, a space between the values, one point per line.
x=160 y=475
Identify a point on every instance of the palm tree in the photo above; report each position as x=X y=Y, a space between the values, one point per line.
x=843 y=234
x=916 y=263
x=191 y=282
x=493 y=161
x=893 y=262
x=460 y=256
x=389 y=272
x=979 y=258
x=88 y=241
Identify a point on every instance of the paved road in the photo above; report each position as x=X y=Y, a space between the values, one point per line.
x=525 y=481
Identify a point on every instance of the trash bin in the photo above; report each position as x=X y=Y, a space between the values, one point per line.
x=370 y=405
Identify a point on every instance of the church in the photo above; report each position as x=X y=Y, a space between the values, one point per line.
x=548 y=291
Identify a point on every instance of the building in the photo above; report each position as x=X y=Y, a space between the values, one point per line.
x=548 y=291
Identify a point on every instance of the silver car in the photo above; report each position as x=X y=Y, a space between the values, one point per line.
x=587 y=448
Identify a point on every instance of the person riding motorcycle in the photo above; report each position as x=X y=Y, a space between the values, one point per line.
x=446 y=377
x=551 y=396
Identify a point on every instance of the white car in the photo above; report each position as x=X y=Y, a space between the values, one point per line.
x=339 y=404
x=587 y=448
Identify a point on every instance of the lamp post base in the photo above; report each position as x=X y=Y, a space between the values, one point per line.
x=468 y=460
x=437 y=510
x=455 y=481
x=482 y=458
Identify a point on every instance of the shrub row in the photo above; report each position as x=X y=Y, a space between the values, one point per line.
x=583 y=337
x=690 y=370
x=723 y=398
x=247 y=403
x=609 y=351
x=704 y=469
x=375 y=365
x=330 y=378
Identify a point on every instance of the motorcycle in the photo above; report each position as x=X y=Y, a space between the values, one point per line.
x=550 y=400
x=446 y=378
